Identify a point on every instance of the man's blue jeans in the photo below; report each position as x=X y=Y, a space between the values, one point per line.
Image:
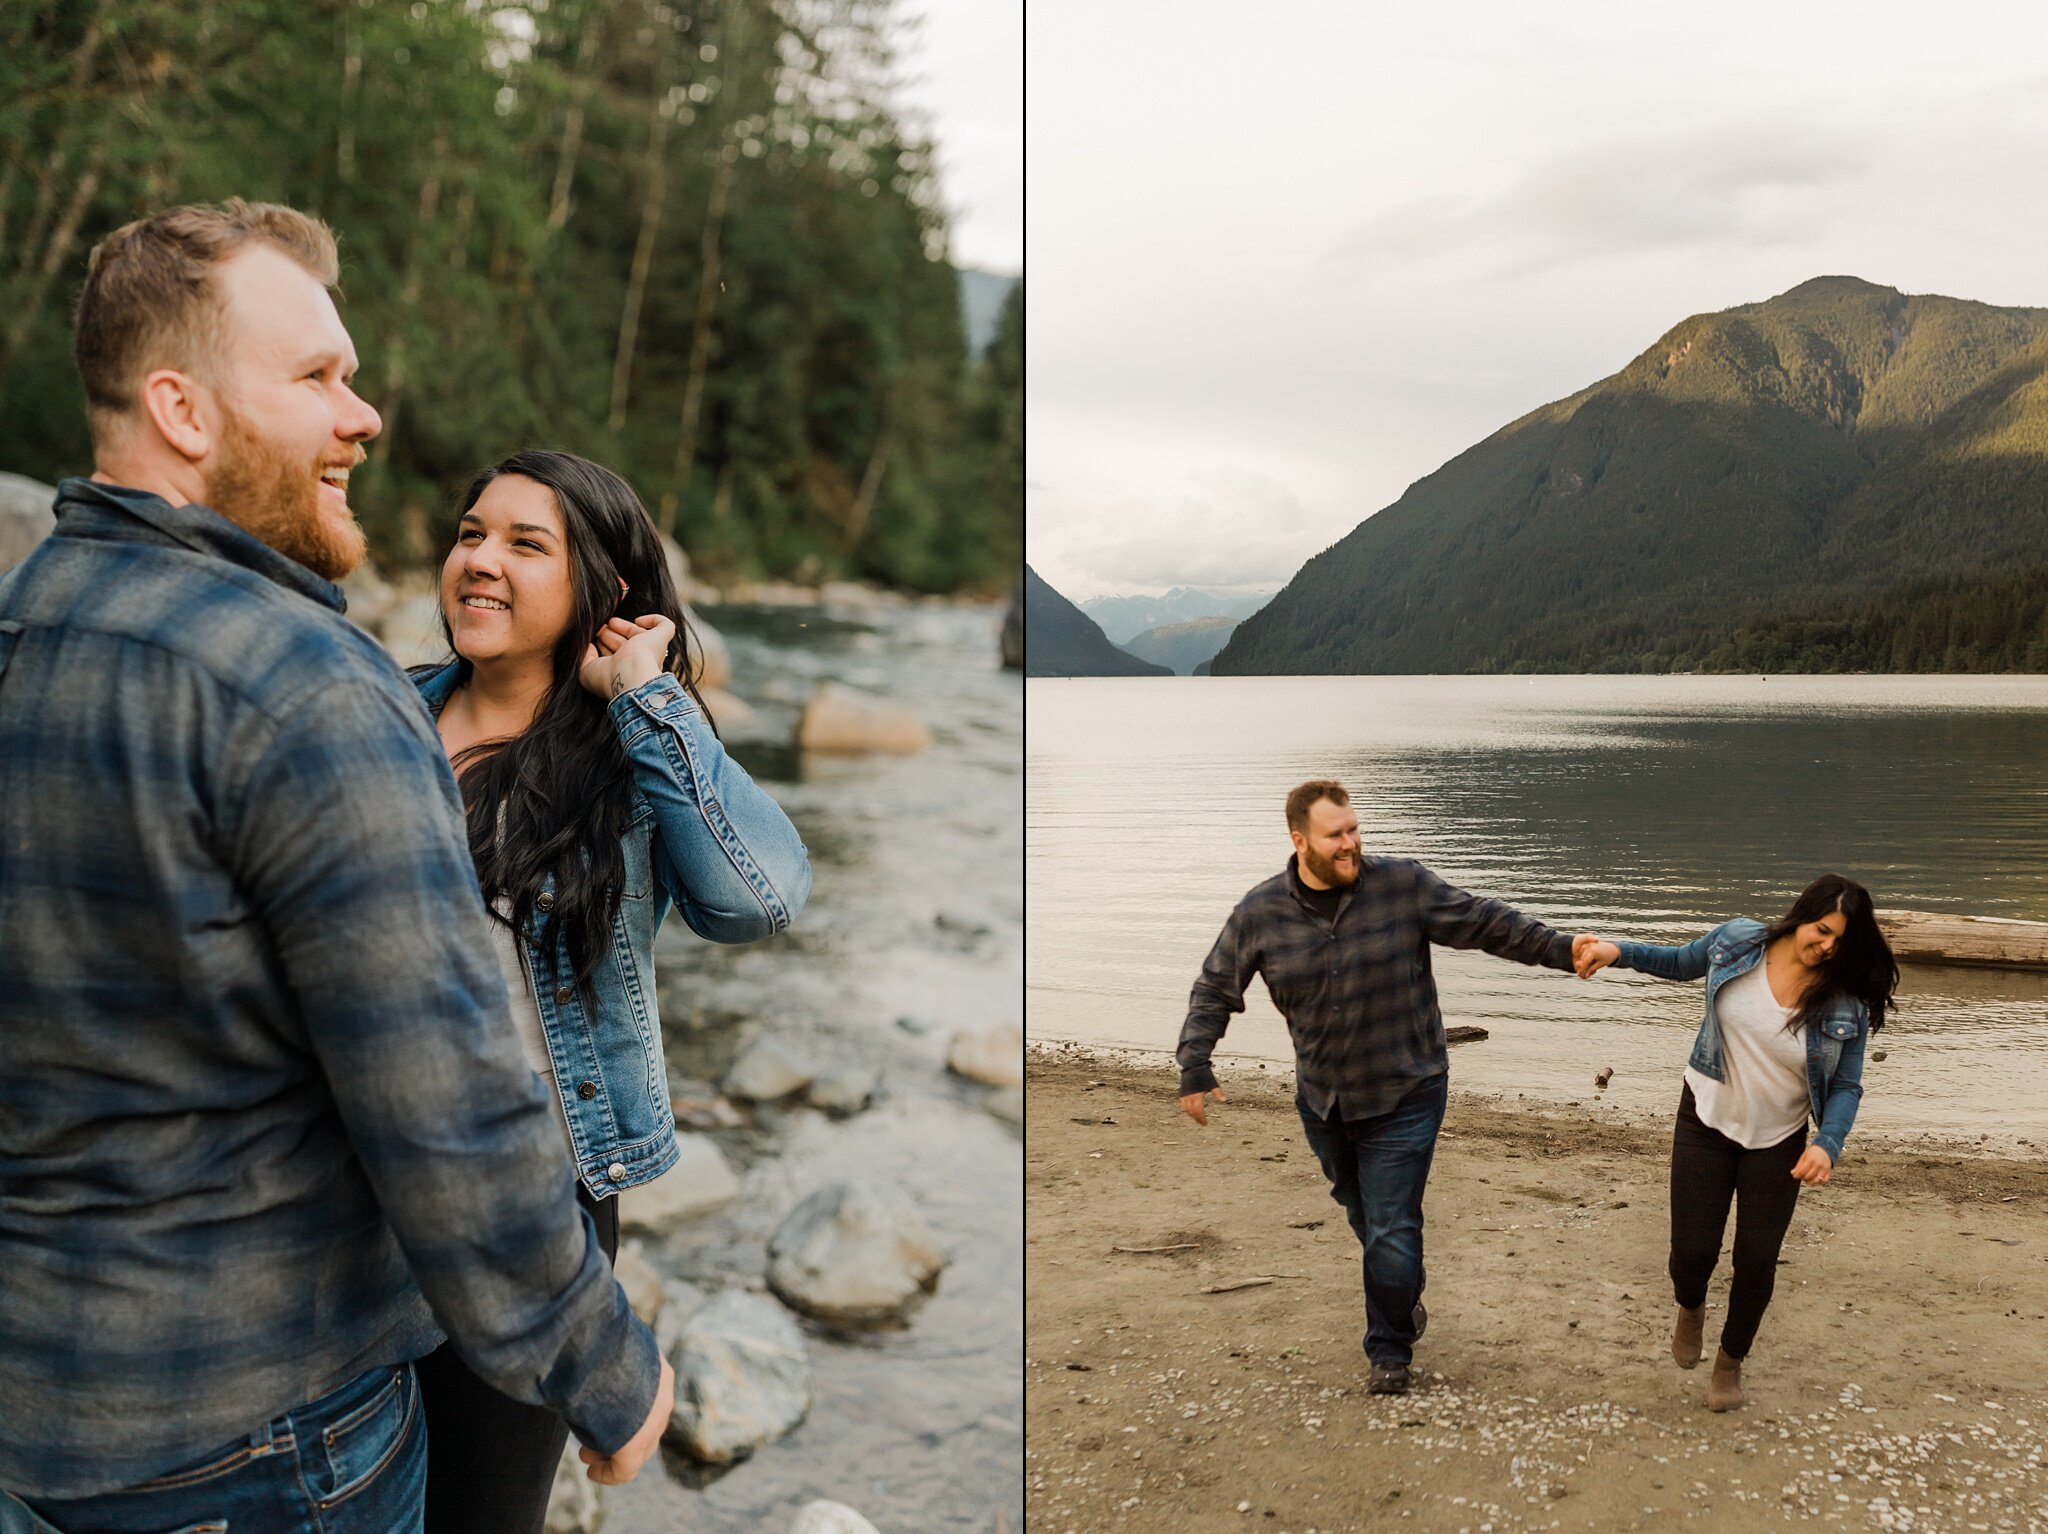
x=1377 y=1169
x=352 y=1462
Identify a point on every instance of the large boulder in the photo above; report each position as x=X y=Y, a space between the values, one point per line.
x=854 y=1252
x=699 y=1182
x=822 y=1517
x=642 y=1284
x=370 y=597
x=26 y=516
x=743 y=1377
x=840 y=719
x=993 y=1053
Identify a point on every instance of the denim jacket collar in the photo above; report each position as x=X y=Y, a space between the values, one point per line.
x=88 y=509
x=437 y=685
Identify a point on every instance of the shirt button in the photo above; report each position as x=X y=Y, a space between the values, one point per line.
x=566 y=995
x=616 y=1171
x=545 y=902
x=587 y=1090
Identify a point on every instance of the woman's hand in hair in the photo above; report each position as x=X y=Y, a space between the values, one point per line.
x=626 y=654
x=1591 y=954
x=1815 y=1167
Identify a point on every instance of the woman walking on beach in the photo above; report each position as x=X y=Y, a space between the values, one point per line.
x=598 y=795
x=1789 y=1009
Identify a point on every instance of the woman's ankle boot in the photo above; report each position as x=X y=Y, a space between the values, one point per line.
x=1687 y=1333
x=1724 y=1386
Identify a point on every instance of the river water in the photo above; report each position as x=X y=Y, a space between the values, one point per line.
x=914 y=928
x=1643 y=807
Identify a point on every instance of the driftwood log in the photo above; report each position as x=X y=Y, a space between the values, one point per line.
x=1463 y=1033
x=1927 y=937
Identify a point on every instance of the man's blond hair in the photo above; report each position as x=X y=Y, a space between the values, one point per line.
x=150 y=300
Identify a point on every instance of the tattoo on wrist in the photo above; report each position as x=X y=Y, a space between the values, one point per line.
x=619 y=685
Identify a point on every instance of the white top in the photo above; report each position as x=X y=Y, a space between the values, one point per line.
x=1764 y=1100
x=526 y=1013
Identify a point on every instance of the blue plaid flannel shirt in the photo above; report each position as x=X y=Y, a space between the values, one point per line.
x=1357 y=990
x=263 y=1118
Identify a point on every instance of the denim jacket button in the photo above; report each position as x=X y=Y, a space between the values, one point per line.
x=565 y=995
x=544 y=902
x=616 y=1171
x=587 y=1090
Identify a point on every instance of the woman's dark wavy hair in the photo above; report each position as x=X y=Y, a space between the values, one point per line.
x=1861 y=965
x=556 y=799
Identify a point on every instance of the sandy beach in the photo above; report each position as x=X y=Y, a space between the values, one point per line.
x=1900 y=1381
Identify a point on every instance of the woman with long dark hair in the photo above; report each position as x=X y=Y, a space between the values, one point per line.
x=598 y=795
x=1790 y=1006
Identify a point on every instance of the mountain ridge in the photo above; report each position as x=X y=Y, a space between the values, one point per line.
x=1770 y=464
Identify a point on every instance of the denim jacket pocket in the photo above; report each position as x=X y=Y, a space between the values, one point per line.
x=359 y=1445
x=1840 y=1029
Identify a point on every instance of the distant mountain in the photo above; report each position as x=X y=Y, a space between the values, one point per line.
x=1124 y=618
x=981 y=300
x=1182 y=646
x=1841 y=477
x=1061 y=640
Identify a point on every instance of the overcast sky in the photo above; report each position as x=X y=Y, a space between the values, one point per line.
x=1286 y=260
x=963 y=68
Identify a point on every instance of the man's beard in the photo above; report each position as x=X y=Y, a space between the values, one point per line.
x=276 y=498
x=1327 y=871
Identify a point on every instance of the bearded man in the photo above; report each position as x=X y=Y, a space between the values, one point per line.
x=1342 y=941
x=265 y=1126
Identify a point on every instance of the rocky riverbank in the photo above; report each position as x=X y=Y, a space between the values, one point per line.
x=1194 y=1315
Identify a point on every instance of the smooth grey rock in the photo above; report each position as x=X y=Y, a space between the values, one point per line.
x=822 y=1517
x=844 y=1092
x=575 y=1503
x=993 y=1053
x=699 y=1181
x=26 y=516
x=681 y=1300
x=743 y=1377
x=855 y=1252
x=767 y=1072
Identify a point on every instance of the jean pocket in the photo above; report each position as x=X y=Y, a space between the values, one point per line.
x=360 y=1444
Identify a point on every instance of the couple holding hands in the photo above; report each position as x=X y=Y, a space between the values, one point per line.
x=1342 y=942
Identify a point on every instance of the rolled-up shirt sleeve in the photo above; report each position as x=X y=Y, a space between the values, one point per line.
x=1218 y=994
x=346 y=830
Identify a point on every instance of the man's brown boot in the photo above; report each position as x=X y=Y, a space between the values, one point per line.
x=1687 y=1334
x=1724 y=1385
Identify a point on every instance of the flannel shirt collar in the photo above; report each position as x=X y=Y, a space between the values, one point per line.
x=88 y=509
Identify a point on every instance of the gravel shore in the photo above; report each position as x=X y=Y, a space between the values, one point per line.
x=1900 y=1381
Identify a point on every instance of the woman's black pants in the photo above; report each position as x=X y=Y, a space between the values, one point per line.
x=1708 y=1170
x=490 y=1459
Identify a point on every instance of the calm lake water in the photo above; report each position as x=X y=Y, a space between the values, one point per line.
x=1643 y=807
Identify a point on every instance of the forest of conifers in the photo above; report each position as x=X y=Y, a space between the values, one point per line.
x=697 y=242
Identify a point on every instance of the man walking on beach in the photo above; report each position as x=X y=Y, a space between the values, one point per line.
x=1342 y=941
x=261 y=1103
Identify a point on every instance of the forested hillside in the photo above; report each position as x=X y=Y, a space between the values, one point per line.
x=1843 y=477
x=697 y=243
x=1061 y=640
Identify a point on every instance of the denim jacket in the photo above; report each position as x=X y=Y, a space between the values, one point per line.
x=1834 y=1044
x=703 y=837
